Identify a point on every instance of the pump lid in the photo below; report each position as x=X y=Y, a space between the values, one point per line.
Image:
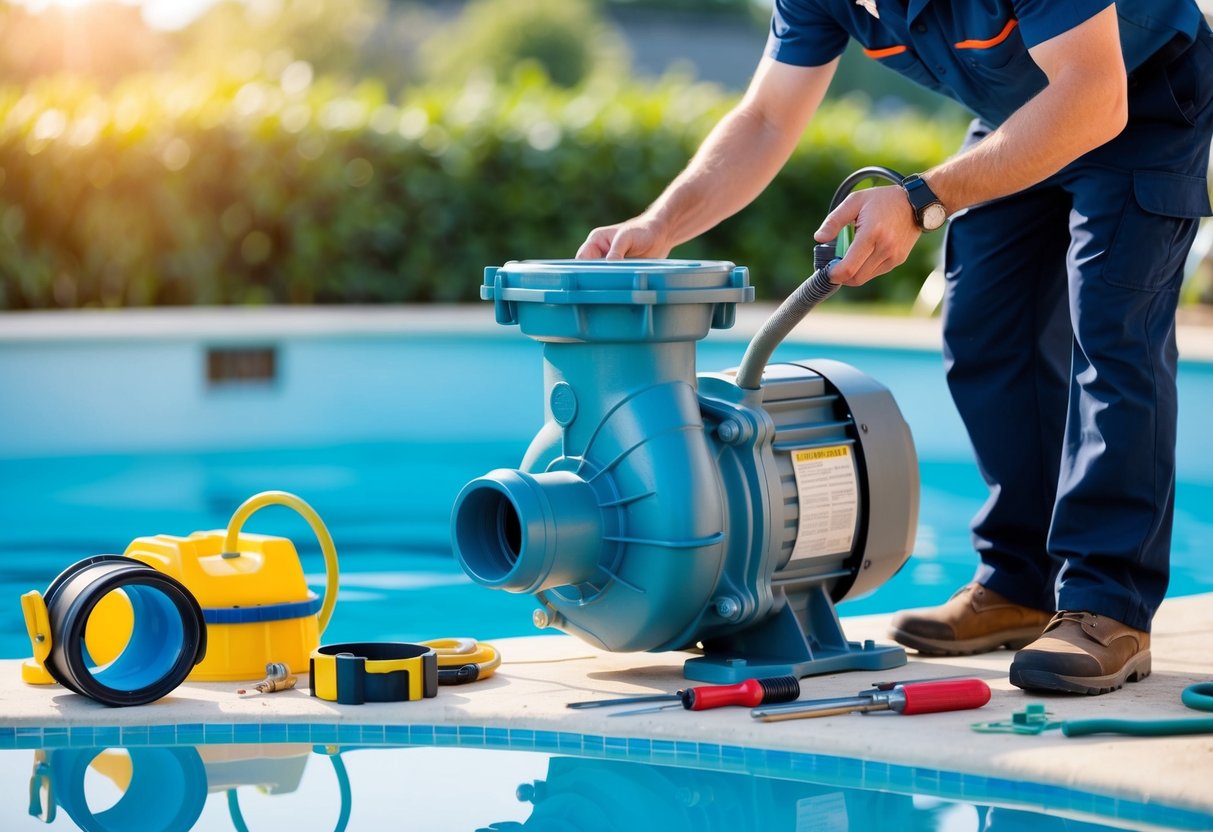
x=521 y=288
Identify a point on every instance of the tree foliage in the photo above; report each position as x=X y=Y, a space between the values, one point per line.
x=293 y=189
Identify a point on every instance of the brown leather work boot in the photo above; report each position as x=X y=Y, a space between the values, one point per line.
x=974 y=620
x=1081 y=652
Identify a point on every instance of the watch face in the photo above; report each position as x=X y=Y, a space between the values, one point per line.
x=933 y=216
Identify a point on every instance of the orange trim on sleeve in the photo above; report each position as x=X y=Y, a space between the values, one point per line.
x=994 y=41
x=887 y=52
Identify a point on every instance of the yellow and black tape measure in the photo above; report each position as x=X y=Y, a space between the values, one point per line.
x=358 y=672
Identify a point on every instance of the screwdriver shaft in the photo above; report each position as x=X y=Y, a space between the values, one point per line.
x=751 y=692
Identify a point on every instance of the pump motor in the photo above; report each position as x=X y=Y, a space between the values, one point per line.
x=657 y=509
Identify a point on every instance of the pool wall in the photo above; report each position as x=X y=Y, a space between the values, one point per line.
x=225 y=379
x=205 y=379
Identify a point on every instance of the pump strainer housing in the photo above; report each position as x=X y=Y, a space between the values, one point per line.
x=661 y=510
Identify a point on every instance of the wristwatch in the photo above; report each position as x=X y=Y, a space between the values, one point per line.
x=928 y=210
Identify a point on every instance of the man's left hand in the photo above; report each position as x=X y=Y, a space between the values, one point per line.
x=885 y=231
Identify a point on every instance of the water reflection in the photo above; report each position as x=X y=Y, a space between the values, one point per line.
x=166 y=788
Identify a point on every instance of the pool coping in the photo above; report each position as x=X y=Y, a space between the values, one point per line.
x=543 y=673
x=235 y=323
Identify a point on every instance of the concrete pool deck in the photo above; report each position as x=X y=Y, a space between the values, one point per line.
x=1194 y=330
x=541 y=674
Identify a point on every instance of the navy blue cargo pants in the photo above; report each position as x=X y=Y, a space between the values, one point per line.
x=1059 y=343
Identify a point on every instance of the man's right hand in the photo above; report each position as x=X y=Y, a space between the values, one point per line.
x=637 y=237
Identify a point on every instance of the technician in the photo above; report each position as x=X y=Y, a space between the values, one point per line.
x=1070 y=210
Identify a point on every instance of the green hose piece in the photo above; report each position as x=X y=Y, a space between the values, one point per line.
x=843 y=242
x=1137 y=727
x=1199 y=697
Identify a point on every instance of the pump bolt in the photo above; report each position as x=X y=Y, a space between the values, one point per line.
x=729 y=431
x=541 y=619
x=728 y=607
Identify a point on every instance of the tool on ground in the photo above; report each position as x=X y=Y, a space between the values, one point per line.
x=1033 y=719
x=277 y=677
x=164 y=636
x=359 y=672
x=749 y=693
x=907 y=699
x=1198 y=696
x=658 y=509
x=463 y=660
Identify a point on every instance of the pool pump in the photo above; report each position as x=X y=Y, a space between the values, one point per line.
x=724 y=513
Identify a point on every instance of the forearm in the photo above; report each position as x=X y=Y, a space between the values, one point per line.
x=735 y=163
x=744 y=152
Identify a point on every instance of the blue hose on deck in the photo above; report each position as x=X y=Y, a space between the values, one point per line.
x=1198 y=696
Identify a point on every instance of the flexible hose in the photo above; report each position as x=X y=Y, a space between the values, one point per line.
x=283 y=498
x=810 y=293
x=869 y=172
x=1198 y=696
x=462 y=660
x=791 y=312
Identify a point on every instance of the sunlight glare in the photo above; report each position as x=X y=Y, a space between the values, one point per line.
x=41 y=5
x=161 y=14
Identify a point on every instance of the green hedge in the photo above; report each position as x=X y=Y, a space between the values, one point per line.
x=213 y=191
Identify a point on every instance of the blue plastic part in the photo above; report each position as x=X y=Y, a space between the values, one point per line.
x=263 y=612
x=167 y=639
x=155 y=644
x=650 y=511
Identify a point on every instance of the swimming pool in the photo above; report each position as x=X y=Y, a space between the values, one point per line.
x=112 y=439
x=418 y=415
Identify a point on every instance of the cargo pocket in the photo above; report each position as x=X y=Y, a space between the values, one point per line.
x=1155 y=229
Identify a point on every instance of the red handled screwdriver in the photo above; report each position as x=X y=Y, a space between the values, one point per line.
x=750 y=693
x=909 y=698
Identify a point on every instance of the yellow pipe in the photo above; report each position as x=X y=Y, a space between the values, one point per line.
x=456 y=652
x=283 y=498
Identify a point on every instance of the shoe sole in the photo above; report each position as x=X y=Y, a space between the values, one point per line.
x=1010 y=639
x=1136 y=669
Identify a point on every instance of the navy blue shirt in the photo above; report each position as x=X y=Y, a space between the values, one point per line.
x=974 y=51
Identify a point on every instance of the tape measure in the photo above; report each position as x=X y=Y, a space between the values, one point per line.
x=370 y=671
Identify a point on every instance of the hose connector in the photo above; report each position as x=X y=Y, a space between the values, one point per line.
x=526 y=532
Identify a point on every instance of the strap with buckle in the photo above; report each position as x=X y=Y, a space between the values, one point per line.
x=358 y=672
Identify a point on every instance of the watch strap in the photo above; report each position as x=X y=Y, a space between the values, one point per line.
x=920 y=195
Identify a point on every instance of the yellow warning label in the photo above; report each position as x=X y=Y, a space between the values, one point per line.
x=821 y=453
